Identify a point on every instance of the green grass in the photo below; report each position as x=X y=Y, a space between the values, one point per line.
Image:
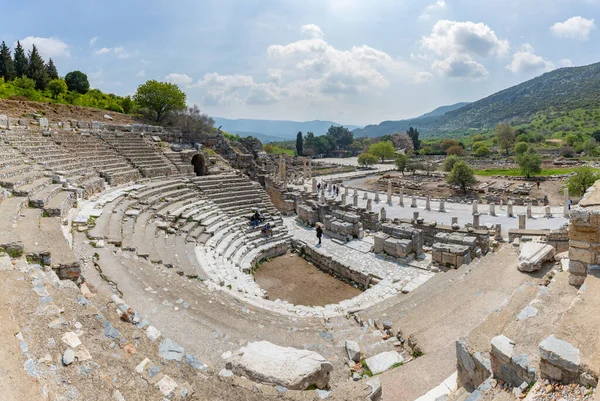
x=517 y=172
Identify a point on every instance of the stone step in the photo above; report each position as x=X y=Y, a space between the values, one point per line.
x=32 y=187
x=60 y=204
x=62 y=258
x=41 y=198
x=10 y=240
x=34 y=243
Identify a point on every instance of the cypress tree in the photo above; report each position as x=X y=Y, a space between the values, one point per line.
x=36 y=69
x=51 y=70
x=299 y=144
x=20 y=61
x=7 y=68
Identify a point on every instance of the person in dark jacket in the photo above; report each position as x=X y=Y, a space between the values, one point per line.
x=319 y=233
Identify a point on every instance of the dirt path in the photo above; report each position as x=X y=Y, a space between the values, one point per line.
x=15 y=383
x=293 y=279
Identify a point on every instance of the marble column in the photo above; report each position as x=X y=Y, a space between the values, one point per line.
x=522 y=220
x=365 y=195
x=509 y=209
x=566 y=203
x=382 y=215
x=414 y=201
x=476 y=220
x=377 y=195
x=442 y=206
x=454 y=220
x=492 y=209
x=314 y=185
x=369 y=205
x=304 y=175
x=529 y=214
x=548 y=212
x=355 y=200
x=389 y=193
x=475 y=209
x=343 y=199
x=401 y=202
x=427 y=202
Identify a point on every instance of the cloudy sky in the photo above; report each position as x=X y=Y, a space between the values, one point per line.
x=351 y=61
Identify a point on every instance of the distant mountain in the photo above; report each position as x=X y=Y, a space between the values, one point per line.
x=440 y=111
x=274 y=130
x=556 y=92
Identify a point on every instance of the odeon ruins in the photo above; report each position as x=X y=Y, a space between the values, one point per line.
x=129 y=267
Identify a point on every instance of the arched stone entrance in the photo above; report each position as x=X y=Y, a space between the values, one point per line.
x=199 y=163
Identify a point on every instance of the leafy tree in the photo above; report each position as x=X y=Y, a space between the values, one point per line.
x=596 y=135
x=449 y=162
x=478 y=138
x=583 y=178
x=309 y=140
x=413 y=133
x=401 y=140
x=482 y=151
x=323 y=144
x=367 y=159
x=341 y=136
x=77 y=81
x=455 y=150
x=24 y=83
x=51 y=70
x=505 y=136
x=477 y=145
x=461 y=175
x=521 y=148
x=20 y=61
x=572 y=139
x=383 y=150
x=160 y=98
x=36 y=69
x=530 y=163
x=57 y=87
x=128 y=105
x=590 y=146
x=448 y=143
x=7 y=67
x=401 y=162
x=299 y=144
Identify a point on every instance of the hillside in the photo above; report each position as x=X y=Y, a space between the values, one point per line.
x=553 y=93
x=274 y=130
x=440 y=111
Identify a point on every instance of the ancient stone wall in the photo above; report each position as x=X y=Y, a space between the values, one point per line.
x=584 y=235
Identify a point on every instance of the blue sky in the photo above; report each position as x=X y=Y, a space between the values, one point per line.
x=351 y=61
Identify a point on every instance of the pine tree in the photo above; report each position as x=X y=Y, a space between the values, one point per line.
x=36 y=69
x=7 y=68
x=20 y=61
x=51 y=70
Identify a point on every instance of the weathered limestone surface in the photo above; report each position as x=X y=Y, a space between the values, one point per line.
x=473 y=367
x=533 y=255
x=560 y=360
x=381 y=362
x=513 y=369
x=268 y=363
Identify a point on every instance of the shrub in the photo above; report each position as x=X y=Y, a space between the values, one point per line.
x=57 y=87
x=455 y=150
x=401 y=163
x=567 y=151
x=448 y=143
x=449 y=162
x=77 y=81
x=530 y=163
x=367 y=159
x=383 y=150
x=584 y=178
x=477 y=138
x=572 y=139
x=482 y=151
x=521 y=148
x=477 y=145
x=461 y=175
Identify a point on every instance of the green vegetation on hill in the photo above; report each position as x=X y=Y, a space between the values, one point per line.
x=557 y=102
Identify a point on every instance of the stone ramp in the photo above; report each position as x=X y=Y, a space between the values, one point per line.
x=9 y=235
x=63 y=259
x=442 y=310
x=34 y=241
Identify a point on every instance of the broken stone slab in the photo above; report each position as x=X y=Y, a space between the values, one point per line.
x=560 y=353
x=376 y=390
x=71 y=339
x=194 y=362
x=381 y=362
x=68 y=357
x=166 y=385
x=353 y=350
x=170 y=350
x=293 y=368
x=533 y=255
x=152 y=333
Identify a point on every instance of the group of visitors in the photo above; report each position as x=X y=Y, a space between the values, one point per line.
x=330 y=188
x=257 y=219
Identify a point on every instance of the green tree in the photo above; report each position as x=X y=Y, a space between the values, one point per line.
x=477 y=138
x=448 y=143
x=449 y=162
x=583 y=178
x=413 y=133
x=455 y=150
x=160 y=98
x=128 y=105
x=20 y=61
x=482 y=151
x=572 y=139
x=477 y=145
x=57 y=87
x=36 y=69
x=401 y=162
x=530 y=163
x=323 y=144
x=383 y=150
x=51 y=70
x=78 y=82
x=505 y=136
x=521 y=148
x=461 y=175
x=7 y=67
x=299 y=144
x=309 y=140
x=342 y=136
x=367 y=159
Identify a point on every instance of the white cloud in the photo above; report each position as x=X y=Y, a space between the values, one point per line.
x=119 y=51
x=422 y=77
x=93 y=40
x=578 y=28
x=460 y=66
x=439 y=5
x=179 y=79
x=453 y=38
x=48 y=47
x=140 y=73
x=565 y=62
x=312 y=30
x=526 y=61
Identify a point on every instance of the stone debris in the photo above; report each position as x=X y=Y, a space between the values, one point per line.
x=194 y=362
x=140 y=367
x=381 y=362
x=170 y=350
x=166 y=385
x=560 y=360
x=533 y=255
x=353 y=350
x=152 y=333
x=292 y=368
x=68 y=357
x=71 y=339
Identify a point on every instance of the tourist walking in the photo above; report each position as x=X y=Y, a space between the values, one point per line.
x=319 y=233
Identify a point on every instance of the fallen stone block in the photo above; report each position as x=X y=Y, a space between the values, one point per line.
x=353 y=350
x=381 y=362
x=166 y=385
x=533 y=255
x=268 y=363
x=560 y=360
x=170 y=350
